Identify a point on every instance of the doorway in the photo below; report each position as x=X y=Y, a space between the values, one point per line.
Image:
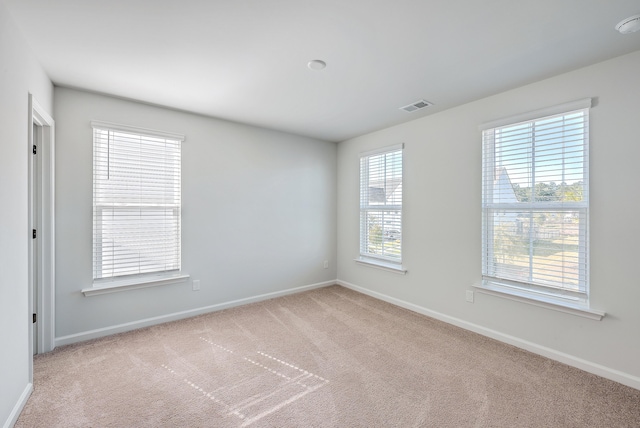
x=41 y=234
x=35 y=199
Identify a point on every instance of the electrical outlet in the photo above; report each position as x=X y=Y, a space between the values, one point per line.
x=196 y=285
x=326 y=264
x=470 y=296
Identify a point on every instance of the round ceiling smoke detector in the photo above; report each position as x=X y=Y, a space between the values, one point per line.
x=629 y=25
x=316 y=64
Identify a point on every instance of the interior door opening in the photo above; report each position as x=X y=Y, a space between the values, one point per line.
x=41 y=233
x=36 y=267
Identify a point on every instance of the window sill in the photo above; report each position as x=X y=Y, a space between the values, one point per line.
x=381 y=264
x=548 y=303
x=132 y=284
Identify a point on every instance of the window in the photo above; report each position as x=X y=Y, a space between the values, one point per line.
x=381 y=205
x=535 y=205
x=136 y=201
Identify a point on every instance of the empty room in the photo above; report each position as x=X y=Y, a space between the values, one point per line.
x=319 y=214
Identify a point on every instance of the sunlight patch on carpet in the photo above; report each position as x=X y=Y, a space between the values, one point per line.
x=249 y=395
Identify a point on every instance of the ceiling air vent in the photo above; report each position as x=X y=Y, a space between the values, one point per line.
x=417 y=105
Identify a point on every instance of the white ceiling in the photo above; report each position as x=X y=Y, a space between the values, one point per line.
x=245 y=60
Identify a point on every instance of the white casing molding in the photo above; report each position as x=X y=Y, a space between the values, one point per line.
x=46 y=226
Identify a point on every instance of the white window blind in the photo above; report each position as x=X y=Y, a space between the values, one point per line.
x=381 y=204
x=136 y=202
x=535 y=203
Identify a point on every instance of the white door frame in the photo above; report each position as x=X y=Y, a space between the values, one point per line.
x=45 y=226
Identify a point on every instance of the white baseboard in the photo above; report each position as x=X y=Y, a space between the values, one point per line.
x=17 y=409
x=588 y=366
x=120 y=328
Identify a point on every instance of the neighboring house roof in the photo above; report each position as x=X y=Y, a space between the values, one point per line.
x=503 y=188
x=376 y=195
x=385 y=192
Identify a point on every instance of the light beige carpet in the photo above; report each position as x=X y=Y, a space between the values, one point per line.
x=326 y=358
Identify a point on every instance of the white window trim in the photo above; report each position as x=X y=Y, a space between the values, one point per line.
x=118 y=284
x=577 y=307
x=548 y=302
x=381 y=264
x=374 y=262
x=136 y=130
x=549 y=111
x=384 y=149
x=142 y=281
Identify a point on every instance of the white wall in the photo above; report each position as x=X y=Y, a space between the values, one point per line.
x=20 y=74
x=259 y=214
x=442 y=221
